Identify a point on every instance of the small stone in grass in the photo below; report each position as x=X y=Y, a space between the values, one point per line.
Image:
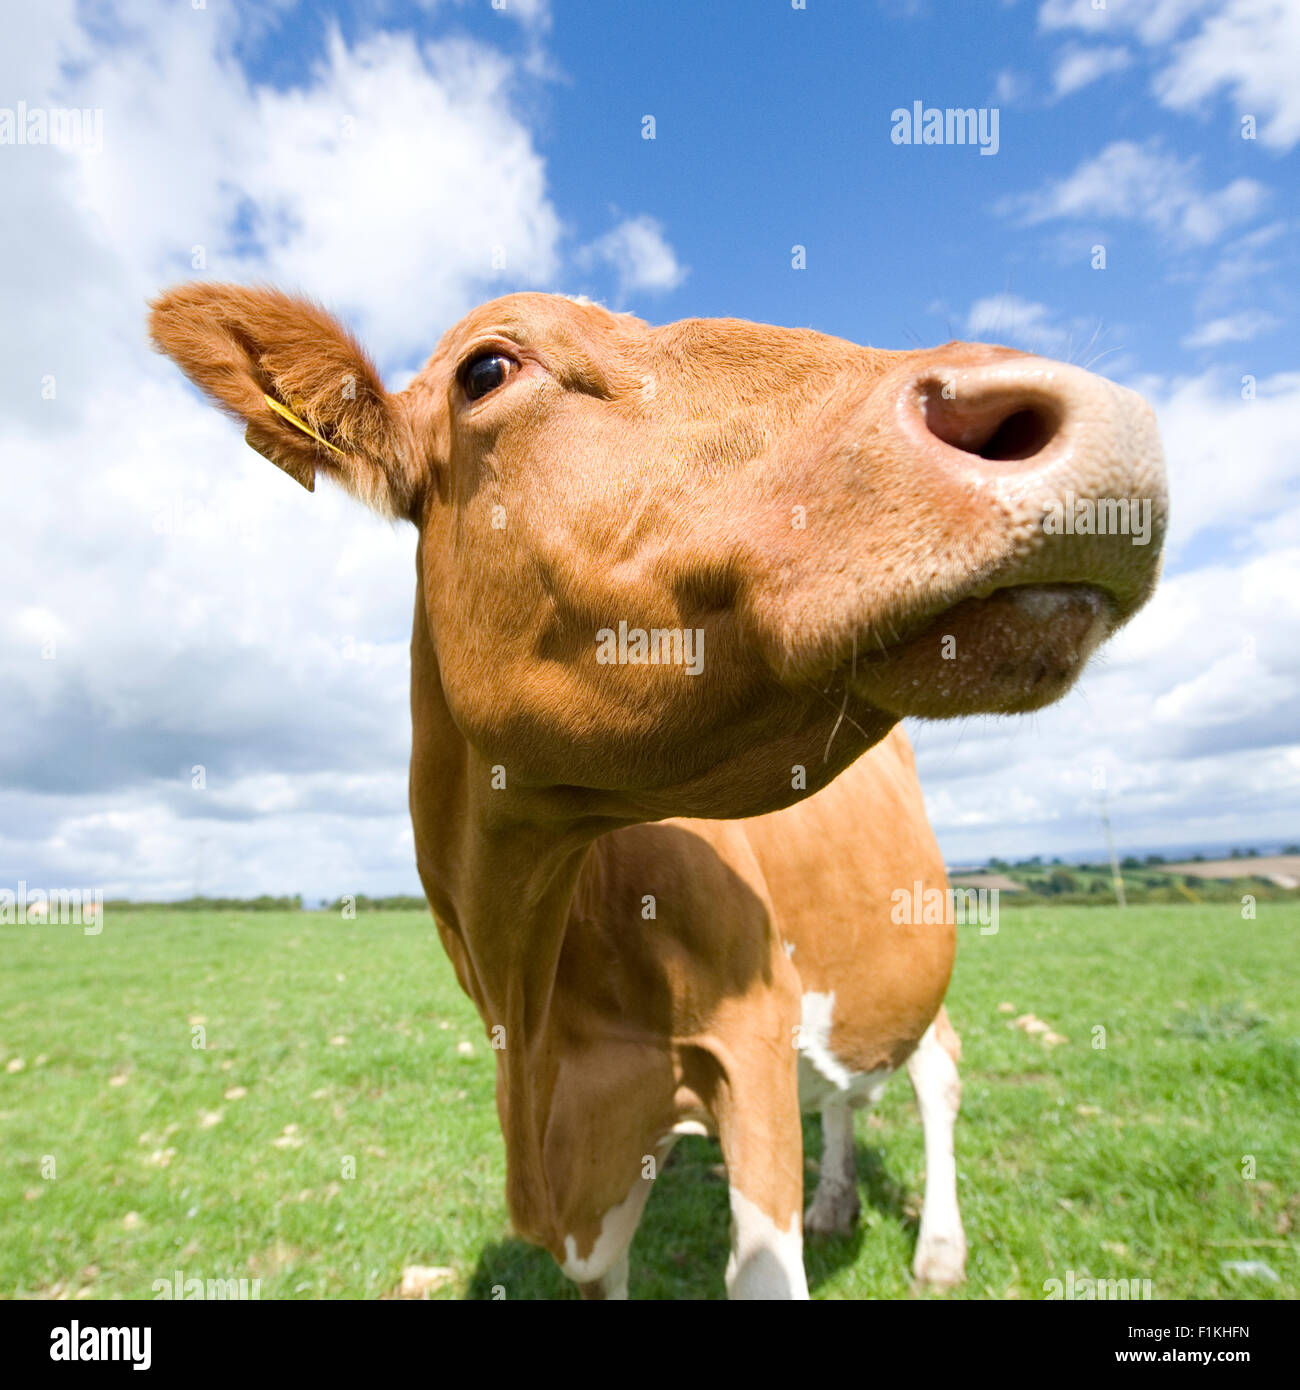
x=290 y=1139
x=419 y=1280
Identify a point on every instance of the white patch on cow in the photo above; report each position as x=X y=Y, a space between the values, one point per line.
x=789 y=949
x=648 y=388
x=816 y=1017
x=941 y=1246
x=821 y=1074
x=765 y=1261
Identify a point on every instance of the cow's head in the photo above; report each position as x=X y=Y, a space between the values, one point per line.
x=667 y=568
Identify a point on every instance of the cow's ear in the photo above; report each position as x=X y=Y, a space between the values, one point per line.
x=309 y=397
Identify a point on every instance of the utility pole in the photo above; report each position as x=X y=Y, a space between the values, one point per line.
x=1116 y=877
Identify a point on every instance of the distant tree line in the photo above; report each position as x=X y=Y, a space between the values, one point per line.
x=359 y=902
x=264 y=903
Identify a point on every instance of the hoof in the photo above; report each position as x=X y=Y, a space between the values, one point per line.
x=834 y=1212
x=940 y=1262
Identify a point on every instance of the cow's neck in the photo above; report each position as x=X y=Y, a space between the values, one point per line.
x=502 y=891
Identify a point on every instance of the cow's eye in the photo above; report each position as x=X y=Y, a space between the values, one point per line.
x=485 y=373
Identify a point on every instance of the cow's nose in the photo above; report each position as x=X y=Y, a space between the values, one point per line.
x=1036 y=441
x=1019 y=425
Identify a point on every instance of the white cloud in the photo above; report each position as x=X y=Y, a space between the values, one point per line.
x=1155 y=21
x=1231 y=461
x=1143 y=183
x=1251 y=256
x=400 y=181
x=1250 y=51
x=1007 y=318
x=1236 y=687
x=638 y=254
x=173 y=600
x=1009 y=87
x=1246 y=50
x=1234 y=328
x=1078 y=67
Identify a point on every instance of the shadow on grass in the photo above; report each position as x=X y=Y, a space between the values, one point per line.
x=680 y=1251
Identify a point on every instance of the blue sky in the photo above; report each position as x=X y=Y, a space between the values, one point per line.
x=177 y=604
x=773 y=127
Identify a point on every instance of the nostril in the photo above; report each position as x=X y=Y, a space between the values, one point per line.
x=991 y=430
x=1020 y=436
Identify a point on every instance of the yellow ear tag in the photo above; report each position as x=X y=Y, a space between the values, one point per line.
x=286 y=414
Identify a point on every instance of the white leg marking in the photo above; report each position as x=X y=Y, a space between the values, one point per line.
x=941 y=1249
x=835 y=1205
x=765 y=1262
x=613 y=1283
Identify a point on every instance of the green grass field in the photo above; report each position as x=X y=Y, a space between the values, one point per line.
x=335 y=1122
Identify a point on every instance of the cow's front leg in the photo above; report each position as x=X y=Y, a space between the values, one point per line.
x=756 y=1109
x=766 y=1258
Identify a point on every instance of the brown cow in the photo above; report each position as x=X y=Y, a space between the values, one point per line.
x=697 y=571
